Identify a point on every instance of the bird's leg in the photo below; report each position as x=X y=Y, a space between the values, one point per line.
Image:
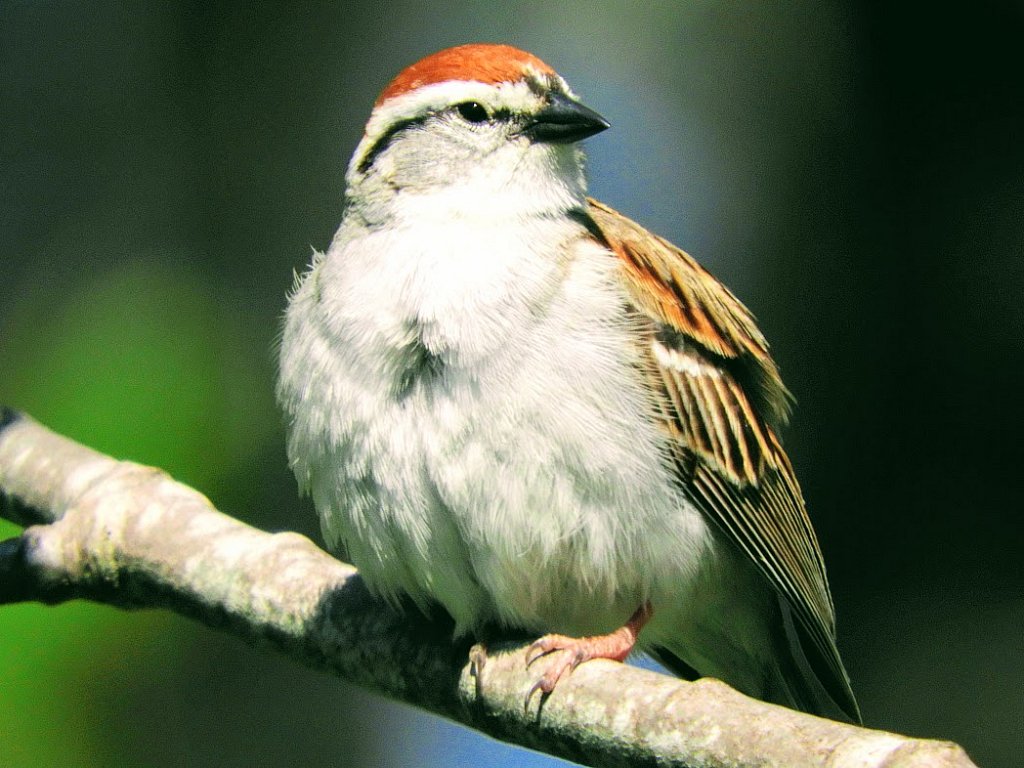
x=615 y=645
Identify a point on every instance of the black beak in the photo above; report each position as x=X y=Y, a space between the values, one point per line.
x=563 y=121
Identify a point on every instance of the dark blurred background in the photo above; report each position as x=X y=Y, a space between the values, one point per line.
x=855 y=172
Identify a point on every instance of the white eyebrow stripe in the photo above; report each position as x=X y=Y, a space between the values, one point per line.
x=514 y=97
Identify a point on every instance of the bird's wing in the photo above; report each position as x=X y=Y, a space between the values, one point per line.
x=722 y=402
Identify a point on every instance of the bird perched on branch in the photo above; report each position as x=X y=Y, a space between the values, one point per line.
x=511 y=400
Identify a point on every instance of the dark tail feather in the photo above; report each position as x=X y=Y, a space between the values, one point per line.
x=807 y=679
x=801 y=678
x=674 y=664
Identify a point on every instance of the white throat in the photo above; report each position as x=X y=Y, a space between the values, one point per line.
x=510 y=184
x=456 y=265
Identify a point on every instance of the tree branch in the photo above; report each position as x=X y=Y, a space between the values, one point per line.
x=128 y=535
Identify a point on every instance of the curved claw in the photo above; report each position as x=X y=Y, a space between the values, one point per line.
x=615 y=645
x=565 y=664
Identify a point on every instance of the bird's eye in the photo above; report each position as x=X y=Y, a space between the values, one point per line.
x=472 y=112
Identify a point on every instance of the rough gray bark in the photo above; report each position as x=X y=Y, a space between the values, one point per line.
x=126 y=534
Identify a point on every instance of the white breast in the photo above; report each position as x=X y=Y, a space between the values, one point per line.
x=472 y=423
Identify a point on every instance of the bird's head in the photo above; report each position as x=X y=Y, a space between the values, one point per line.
x=480 y=119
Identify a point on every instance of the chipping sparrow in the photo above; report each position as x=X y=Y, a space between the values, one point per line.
x=509 y=399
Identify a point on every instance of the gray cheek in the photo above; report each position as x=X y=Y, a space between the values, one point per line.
x=423 y=161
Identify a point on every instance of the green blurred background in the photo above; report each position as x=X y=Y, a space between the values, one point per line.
x=854 y=171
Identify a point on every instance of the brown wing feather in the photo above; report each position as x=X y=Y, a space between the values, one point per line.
x=723 y=400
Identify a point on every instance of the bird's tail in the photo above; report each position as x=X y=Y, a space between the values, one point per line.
x=799 y=675
x=803 y=678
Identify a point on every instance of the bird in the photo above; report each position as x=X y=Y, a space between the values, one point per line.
x=509 y=400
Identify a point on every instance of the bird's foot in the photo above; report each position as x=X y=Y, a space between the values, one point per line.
x=573 y=651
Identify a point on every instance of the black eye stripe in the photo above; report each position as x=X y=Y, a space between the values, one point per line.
x=470 y=111
x=383 y=141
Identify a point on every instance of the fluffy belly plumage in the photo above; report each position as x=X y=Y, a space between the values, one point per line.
x=539 y=513
x=504 y=461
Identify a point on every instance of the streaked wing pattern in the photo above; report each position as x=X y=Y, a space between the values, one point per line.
x=723 y=400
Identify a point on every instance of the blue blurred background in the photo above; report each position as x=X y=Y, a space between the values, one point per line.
x=854 y=171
